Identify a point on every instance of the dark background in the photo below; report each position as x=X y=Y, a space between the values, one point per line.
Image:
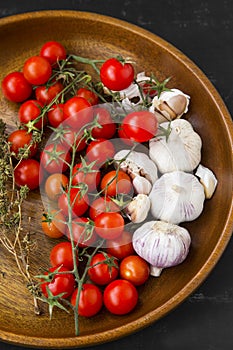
x=203 y=30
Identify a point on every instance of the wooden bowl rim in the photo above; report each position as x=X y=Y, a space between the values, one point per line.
x=154 y=315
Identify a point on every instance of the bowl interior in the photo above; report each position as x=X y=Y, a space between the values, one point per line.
x=97 y=36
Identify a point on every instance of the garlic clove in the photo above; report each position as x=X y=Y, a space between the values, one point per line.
x=207 y=179
x=141 y=185
x=138 y=208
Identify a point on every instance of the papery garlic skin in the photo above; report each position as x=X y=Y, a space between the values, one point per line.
x=180 y=151
x=207 y=179
x=177 y=197
x=161 y=244
x=138 y=209
x=171 y=104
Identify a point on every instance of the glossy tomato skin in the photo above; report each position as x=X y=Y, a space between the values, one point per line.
x=108 y=127
x=78 y=111
x=100 y=271
x=124 y=137
x=116 y=182
x=46 y=94
x=56 y=115
x=109 y=225
x=55 y=184
x=28 y=173
x=70 y=136
x=140 y=126
x=134 y=269
x=55 y=158
x=15 y=87
x=60 y=283
x=61 y=255
x=29 y=111
x=120 y=297
x=53 y=224
x=53 y=51
x=20 y=139
x=78 y=201
x=37 y=70
x=102 y=205
x=90 y=302
x=89 y=177
x=120 y=247
x=82 y=236
x=116 y=75
x=89 y=95
x=100 y=150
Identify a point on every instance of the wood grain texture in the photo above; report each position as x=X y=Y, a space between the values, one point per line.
x=97 y=36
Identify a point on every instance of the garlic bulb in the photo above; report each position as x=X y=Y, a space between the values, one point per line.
x=161 y=244
x=140 y=168
x=207 y=179
x=180 y=151
x=138 y=208
x=177 y=197
x=171 y=104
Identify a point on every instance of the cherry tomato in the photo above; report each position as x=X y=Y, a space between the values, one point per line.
x=90 y=302
x=15 y=87
x=115 y=182
x=101 y=151
x=134 y=269
x=29 y=111
x=86 y=174
x=21 y=139
x=46 y=94
x=68 y=136
x=53 y=224
x=120 y=297
x=102 y=205
x=53 y=51
x=89 y=95
x=121 y=247
x=148 y=89
x=140 y=126
x=28 y=173
x=108 y=127
x=83 y=232
x=37 y=70
x=55 y=184
x=109 y=225
x=56 y=115
x=103 y=269
x=61 y=255
x=61 y=283
x=78 y=112
x=123 y=137
x=116 y=75
x=55 y=158
x=78 y=201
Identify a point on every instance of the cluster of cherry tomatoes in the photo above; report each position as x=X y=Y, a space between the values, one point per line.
x=116 y=271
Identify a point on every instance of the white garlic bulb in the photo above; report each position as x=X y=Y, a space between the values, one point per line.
x=138 y=208
x=177 y=197
x=171 y=104
x=161 y=244
x=207 y=179
x=180 y=151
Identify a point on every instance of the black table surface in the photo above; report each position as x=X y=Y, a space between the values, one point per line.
x=203 y=30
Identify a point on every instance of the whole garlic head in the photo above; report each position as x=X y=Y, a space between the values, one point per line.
x=161 y=244
x=180 y=151
x=171 y=104
x=138 y=208
x=207 y=179
x=177 y=197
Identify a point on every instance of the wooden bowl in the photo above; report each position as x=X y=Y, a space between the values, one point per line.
x=97 y=36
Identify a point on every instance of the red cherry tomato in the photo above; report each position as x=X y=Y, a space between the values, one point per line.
x=78 y=112
x=102 y=205
x=116 y=75
x=55 y=158
x=134 y=269
x=83 y=232
x=120 y=297
x=46 y=94
x=103 y=269
x=28 y=173
x=115 y=182
x=61 y=283
x=78 y=201
x=101 y=151
x=109 y=225
x=56 y=115
x=29 y=111
x=123 y=137
x=53 y=51
x=15 y=87
x=140 y=126
x=86 y=174
x=90 y=302
x=89 y=95
x=121 y=247
x=37 y=70
x=107 y=126
x=61 y=255
x=21 y=139
x=53 y=224
x=68 y=136
x=55 y=184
